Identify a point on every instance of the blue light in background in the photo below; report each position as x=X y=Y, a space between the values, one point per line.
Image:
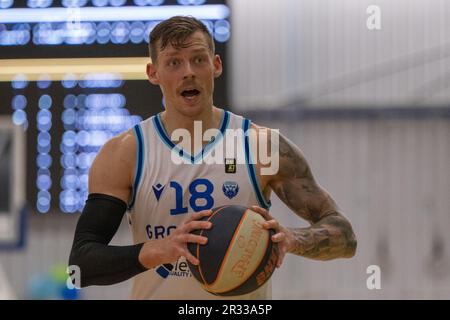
x=19 y=117
x=44 y=81
x=98 y=138
x=44 y=120
x=70 y=182
x=128 y=13
x=21 y=26
x=113 y=100
x=74 y=3
x=148 y=2
x=69 y=161
x=149 y=26
x=83 y=161
x=137 y=32
x=19 y=81
x=39 y=3
x=64 y=148
x=222 y=30
x=84 y=180
x=46 y=33
x=19 y=102
x=43 y=204
x=83 y=138
x=18 y=35
x=43 y=200
x=90 y=120
x=91 y=33
x=6 y=4
x=81 y=98
x=44 y=161
x=69 y=117
x=101 y=80
x=45 y=102
x=43 y=182
x=79 y=33
x=44 y=149
x=103 y=32
x=70 y=101
x=69 y=201
x=69 y=138
x=43 y=172
x=69 y=81
x=191 y=2
x=44 y=194
x=93 y=27
x=120 y=32
x=99 y=3
x=44 y=139
x=117 y=3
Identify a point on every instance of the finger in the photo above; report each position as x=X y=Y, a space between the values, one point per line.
x=192 y=259
x=192 y=238
x=262 y=212
x=196 y=225
x=279 y=237
x=280 y=259
x=271 y=224
x=199 y=215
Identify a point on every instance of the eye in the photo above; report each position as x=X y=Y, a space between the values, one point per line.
x=199 y=60
x=173 y=63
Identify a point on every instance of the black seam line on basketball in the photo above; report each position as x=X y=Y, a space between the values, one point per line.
x=198 y=245
x=227 y=252
x=257 y=265
x=228 y=249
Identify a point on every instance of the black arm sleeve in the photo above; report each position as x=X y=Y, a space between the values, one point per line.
x=99 y=263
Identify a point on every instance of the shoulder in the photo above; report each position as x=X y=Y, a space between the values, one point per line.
x=281 y=151
x=262 y=135
x=118 y=150
x=113 y=169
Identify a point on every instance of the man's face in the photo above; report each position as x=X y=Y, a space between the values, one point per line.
x=186 y=75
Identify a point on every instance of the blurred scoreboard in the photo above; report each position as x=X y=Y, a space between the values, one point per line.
x=72 y=76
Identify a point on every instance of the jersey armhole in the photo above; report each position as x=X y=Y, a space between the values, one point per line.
x=251 y=170
x=139 y=164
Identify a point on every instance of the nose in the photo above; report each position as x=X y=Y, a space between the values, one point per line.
x=188 y=71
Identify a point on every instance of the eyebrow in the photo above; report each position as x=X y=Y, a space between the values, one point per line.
x=199 y=50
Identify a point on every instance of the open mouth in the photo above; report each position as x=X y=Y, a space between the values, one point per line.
x=190 y=94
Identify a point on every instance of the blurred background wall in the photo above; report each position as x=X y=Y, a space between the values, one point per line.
x=371 y=112
x=322 y=53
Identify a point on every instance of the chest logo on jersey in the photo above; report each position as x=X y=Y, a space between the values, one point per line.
x=230 y=189
x=230 y=165
x=158 y=190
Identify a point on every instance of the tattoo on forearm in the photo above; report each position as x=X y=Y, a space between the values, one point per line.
x=331 y=238
x=330 y=235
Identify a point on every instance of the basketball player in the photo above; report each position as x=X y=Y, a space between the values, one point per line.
x=134 y=173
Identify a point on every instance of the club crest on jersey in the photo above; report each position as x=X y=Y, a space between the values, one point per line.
x=230 y=165
x=230 y=189
x=158 y=189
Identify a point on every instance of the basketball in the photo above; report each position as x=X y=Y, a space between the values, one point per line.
x=239 y=256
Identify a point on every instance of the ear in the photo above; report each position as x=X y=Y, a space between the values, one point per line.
x=152 y=75
x=217 y=66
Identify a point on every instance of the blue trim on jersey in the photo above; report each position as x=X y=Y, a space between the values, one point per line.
x=225 y=122
x=139 y=162
x=251 y=168
x=192 y=159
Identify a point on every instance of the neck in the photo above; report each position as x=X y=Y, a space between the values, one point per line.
x=209 y=118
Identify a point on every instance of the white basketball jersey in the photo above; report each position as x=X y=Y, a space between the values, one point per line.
x=166 y=193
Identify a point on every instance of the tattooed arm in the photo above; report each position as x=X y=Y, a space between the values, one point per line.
x=330 y=235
